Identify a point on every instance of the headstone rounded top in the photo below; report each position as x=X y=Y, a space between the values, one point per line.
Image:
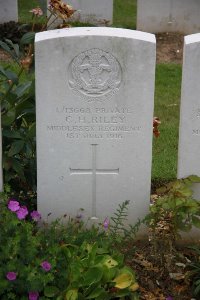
x=192 y=38
x=95 y=31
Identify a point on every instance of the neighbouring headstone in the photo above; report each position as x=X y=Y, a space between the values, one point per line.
x=93 y=11
x=8 y=11
x=189 y=130
x=94 y=106
x=168 y=16
x=89 y=11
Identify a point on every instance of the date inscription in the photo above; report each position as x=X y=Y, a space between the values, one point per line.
x=97 y=122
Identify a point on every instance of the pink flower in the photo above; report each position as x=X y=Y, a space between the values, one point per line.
x=36 y=11
x=33 y=295
x=169 y=298
x=22 y=212
x=46 y=266
x=106 y=223
x=11 y=276
x=13 y=205
x=35 y=215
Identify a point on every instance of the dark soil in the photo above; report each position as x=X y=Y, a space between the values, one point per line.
x=159 y=274
x=169 y=47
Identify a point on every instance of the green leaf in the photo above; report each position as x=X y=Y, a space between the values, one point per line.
x=196 y=221
x=3 y=71
x=194 y=178
x=197 y=290
x=51 y=291
x=5 y=47
x=103 y=296
x=14 y=46
x=66 y=251
x=125 y=279
x=22 y=88
x=9 y=74
x=24 y=106
x=96 y=293
x=109 y=262
x=9 y=176
x=18 y=168
x=8 y=118
x=27 y=38
x=71 y=295
x=12 y=76
x=11 y=134
x=105 y=260
x=32 y=131
x=122 y=293
x=109 y=274
x=93 y=275
x=185 y=192
x=3 y=284
x=10 y=100
x=15 y=148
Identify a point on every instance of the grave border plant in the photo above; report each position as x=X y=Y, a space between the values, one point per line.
x=18 y=103
x=58 y=261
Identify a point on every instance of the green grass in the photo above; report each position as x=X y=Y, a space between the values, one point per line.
x=167 y=100
x=124 y=14
x=14 y=67
x=24 y=7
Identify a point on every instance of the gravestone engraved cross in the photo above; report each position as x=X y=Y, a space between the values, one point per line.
x=94 y=171
x=94 y=129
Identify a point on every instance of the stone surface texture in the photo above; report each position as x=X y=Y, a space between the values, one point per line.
x=94 y=106
x=189 y=129
x=93 y=11
x=168 y=16
x=8 y=11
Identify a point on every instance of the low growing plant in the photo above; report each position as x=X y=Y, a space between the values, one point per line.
x=194 y=272
x=17 y=98
x=58 y=261
x=119 y=229
x=174 y=211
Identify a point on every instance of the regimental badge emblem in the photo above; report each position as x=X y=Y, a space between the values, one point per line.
x=95 y=75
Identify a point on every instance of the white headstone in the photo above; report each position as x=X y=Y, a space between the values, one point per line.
x=8 y=11
x=189 y=132
x=98 y=12
x=94 y=90
x=93 y=11
x=168 y=16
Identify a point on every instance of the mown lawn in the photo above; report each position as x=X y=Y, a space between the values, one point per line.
x=124 y=14
x=167 y=93
x=167 y=103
